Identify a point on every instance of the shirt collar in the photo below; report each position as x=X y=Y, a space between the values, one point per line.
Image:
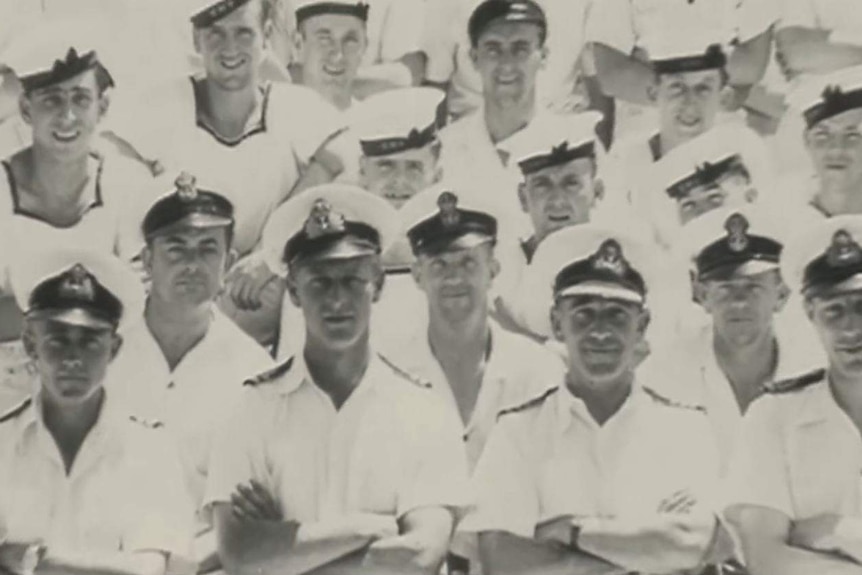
x=570 y=408
x=818 y=405
x=298 y=376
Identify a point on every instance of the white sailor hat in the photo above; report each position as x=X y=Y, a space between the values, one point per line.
x=205 y=13
x=54 y=51
x=330 y=221
x=78 y=287
x=825 y=258
x=824 y=96
x=683 y=54
x=554 y=140
x=586 y=260
x=305 y=9
x=731 y=242
x=398 y=120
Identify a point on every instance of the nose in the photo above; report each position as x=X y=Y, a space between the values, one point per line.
x=72 y=359
x=557 y=199
x=336 y=53
x=67 y=114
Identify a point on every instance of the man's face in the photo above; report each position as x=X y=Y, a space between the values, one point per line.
x=233 y=47
x=508 y=56
x=838 y=320
x=456 y=283
x=330 y=48
x=559 y=196
x=336 y=297
x=835 y=146
x=71 y=360
x=187 y=266
x=688 y=102
x=64 y=116
x=700 y=200
x=398 y=177
x=742 y=308
x=601 y=335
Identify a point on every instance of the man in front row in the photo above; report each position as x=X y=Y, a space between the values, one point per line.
x=795 y=480
x=351 y=463
x=599 y=474
x=84 y=489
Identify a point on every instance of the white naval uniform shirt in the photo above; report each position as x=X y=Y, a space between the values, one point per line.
x=258 y=171
x=550 y=458
x=391 y=448
x=447 y=45
x=799 y=454
x=195 y=399
x=839 y=17
x=123 y=493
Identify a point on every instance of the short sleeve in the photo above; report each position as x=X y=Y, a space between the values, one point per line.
x=164 y=515
x=506 y=494
x=312 y=121
x=401 y=33
x=798 y=13
x=758 y=466
x=610 y=22
x=440 y=37
x=438 y=475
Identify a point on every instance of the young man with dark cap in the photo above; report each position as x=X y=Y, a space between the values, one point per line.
x=477 y=367
x=184 y=362
x=83 y=488
x=794 y=493
x=598 y=474
x=336 y=458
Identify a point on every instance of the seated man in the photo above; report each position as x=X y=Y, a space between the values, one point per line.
x=84 y=489
x=184 y=362
x=336 y=458
x=794 y=502
x=598 y=474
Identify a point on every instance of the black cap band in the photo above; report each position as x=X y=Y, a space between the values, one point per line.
x=215 y=12
x=708 y=174
x=359 y=10
x=834 y=102
x=72 y=65
x=415 y=140
x=713 y=59
x=559 y=155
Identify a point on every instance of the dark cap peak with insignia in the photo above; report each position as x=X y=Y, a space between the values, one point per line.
x=451 y=228
x=490 y=11
x=75 y=296
x=214 y=10
x=839 y=268
x=329 y=232
x=313 y=8
x=738 y=253
x=187 y=206
x=608 y=266
x=713 y=58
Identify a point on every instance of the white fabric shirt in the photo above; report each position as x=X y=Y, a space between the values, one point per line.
x=391 y=448
x=447 y=45
x=257 y=172
x=195 y=399
x=550 y=458
x=840 y=17
x=788 y=457
x=123 y=493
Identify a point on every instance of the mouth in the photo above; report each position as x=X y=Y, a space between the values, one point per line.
x=687 y=122
x=66 y=136
x=334 y=72
x=338 y=319
x=836 y=166
x=559 y=219
x=232 y=63
x=506 y=80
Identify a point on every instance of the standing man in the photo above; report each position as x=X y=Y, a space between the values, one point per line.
x=83 y=488
x=598 y=474
x=336 y=457
x=794 y=501
x=184 y=362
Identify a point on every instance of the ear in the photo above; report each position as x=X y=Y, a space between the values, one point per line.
x=28 y=341
x=267 y=32
x=116 y=345
x=196 y=40
x=598 y=190
x=104 y=104
x=230 y=258
x=809 y=309
x=543 y=54
x=416 y=272
x=783 y=296
x=474 y=57
x=698 y=291
x=438 y=172
x=556 y=323
x=147 y=259
x=25 y=107
x=379 y=282
x=522 y=197
x=652 y=91
x=727 y=97
x=292 y=290
x=495 y=267
x=298 y=45
x=644 y=320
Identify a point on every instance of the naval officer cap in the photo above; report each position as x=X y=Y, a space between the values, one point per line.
x=76 y=287
x=187 y=206
x=306 y=9
x=553 y=141
x=398 y=120
x=826 y=258
x=729 y=243
x=328 y=222
x=824 y=96
x=53 y=52
x=439 y=220
x=678 y=55
x=492 y=11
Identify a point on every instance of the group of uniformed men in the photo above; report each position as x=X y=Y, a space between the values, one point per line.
x=269 y=315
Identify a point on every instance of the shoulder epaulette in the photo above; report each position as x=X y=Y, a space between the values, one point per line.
x=16 y=411
x=405 y=374
x=670 y=402
x=536 y=401
x=148 y=423
x=796 y=383
x=270 y=375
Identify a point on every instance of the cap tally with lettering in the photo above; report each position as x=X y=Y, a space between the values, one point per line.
x=553 y=141
x=306 y=9
x=824 y=96
x=398 y=120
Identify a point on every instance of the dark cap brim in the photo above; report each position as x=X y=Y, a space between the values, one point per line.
x=73 y=316
x=745 y=269
x=851 y=284
x=345 y=248
x=194 y=221
x=464 y=241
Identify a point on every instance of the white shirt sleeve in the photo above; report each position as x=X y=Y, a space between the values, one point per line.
x=440 y=36
x=611 y=22
x=401 y=31
x=312 y=120
x=507 y=497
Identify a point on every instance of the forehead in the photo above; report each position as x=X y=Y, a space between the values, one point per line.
x=573 y=303
x=336 y=267
x=768 y=277
x=333 y=24
x=503 y=31
x=460 y=254
x=188 y=234
x=580 y=167
x=85 y=81
x=842 y=121
x=423 y=154
x=837 y=298
x=691 y=78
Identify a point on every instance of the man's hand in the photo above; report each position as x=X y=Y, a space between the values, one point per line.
x=394 y=554
x=246 y=282
x=680 y=502
x=17 y=558
x=374 y=526
x=253 y=502
x=556 y=530
x=830 y=534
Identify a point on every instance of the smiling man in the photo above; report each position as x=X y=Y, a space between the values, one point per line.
x=83 y=488
x=336 y=458
x=794 y=503
x=596 y=475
